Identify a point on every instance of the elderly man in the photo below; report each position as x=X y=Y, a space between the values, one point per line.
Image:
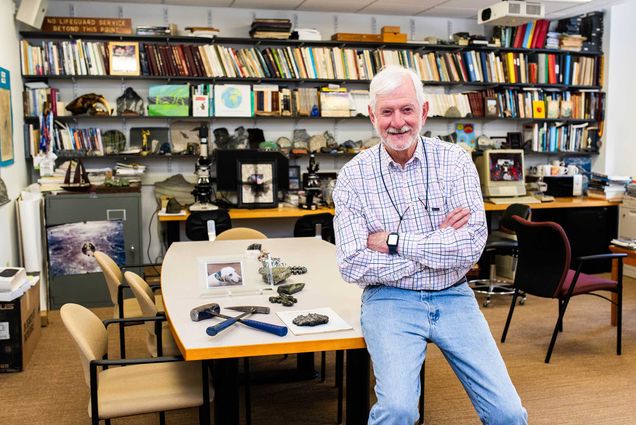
x=410 y=223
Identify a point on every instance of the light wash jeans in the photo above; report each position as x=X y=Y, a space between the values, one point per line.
x=397 y=323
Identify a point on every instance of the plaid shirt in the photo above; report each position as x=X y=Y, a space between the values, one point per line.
x=429 y=258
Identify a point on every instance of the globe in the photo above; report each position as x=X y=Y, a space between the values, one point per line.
x=232 y=97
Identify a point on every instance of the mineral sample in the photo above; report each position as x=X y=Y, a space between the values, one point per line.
x=311 y=319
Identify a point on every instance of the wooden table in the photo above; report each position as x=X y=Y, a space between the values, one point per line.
x=183 y=285
x=630 y=260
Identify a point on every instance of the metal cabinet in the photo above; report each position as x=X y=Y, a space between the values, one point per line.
x=89 y=289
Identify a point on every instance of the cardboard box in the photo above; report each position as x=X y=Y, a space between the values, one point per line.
x=19 y=330
x=388 y=28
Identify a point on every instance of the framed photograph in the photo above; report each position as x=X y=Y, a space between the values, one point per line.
x=294 y=177
x=6 y=119
x=124 y=58
x=491 y=107
x=257 y=184
x=222 y=273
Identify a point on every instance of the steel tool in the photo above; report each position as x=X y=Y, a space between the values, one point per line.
x=208 y=311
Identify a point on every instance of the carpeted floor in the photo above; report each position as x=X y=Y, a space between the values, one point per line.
x=586 y=383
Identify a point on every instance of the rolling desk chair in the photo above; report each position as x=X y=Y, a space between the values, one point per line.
x=197 y=223
x=500 y=242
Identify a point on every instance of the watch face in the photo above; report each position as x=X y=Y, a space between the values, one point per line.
x=392 y=239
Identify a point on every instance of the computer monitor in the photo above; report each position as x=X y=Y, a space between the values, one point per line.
x=501 y=172
x=226 y=163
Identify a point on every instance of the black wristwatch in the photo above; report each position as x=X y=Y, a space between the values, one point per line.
x=392 y=242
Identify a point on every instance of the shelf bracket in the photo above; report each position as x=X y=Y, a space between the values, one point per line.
x=166 y=17
x=209 y=15
x=374 y=25
x=411 y=29
x=335 y=23
x=120 y=11
x=71 y=10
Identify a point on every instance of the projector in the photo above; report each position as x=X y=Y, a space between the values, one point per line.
x=511 y=13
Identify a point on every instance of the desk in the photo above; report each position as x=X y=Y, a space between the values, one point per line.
x=182 y=286
x=630 y=260
x=238 y=214
x=570 y=202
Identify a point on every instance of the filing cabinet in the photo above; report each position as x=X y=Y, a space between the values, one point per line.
x=89 y=289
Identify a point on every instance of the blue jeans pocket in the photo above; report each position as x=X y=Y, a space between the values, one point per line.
x=369 y=292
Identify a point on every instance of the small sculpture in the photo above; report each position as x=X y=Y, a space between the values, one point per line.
x=239 y=139
x=255 y=137
x=268 y=146
x=311 y=319
x=91 y=104
x=222 y=138
x=317 y=142
x=130 y=103
x=300 y=142
x=284 y=144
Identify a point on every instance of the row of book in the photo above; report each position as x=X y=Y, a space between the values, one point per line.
x=531 y=35
x=561 y=137
x=38 y=98
x=538 y=104
x=64 y=138
x=243 y=100
x=213 y=60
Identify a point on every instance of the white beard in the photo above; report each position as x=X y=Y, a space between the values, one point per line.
x=398 y=148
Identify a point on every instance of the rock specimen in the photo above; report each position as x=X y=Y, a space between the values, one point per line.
x=311 y=319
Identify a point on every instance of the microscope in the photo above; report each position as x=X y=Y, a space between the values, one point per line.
x=203 y=192
x=312 y=190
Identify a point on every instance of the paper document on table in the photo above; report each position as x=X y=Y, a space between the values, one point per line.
x=336 y=323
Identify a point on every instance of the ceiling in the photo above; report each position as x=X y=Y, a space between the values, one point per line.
x=447 y=8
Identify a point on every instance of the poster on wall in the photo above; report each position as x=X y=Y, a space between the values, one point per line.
x=71 y=246
x=6 y=119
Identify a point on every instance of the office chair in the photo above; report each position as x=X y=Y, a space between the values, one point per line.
x=143 y=385
x=159 y=341
x=544 y=270
x=501 y=242
x=197 y=223
x=239 y=233
x=310 y=225
x=123 y=307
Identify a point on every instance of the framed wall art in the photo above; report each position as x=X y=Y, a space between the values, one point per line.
x=123 y=58
x=6 y=119
x=257 y=184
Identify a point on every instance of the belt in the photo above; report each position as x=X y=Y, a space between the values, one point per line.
x=459 y=282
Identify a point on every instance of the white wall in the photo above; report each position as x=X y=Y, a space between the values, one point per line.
x=15 y=175
x=621 y=92
x=235 y=23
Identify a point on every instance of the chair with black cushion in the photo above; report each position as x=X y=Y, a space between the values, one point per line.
x=500 y=242
x=197 y=223
x=310 y=225
x=543 y=270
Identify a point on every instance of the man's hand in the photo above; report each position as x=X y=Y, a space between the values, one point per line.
x=377 y=242
x=456 y=218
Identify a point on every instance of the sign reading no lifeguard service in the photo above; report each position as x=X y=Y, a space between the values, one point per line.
x=70 y=24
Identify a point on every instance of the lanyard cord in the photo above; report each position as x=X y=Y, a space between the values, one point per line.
x=401 y=216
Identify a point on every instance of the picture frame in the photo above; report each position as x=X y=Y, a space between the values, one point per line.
x=491 y=107
x=6 y=119
x=257 y=186
x=294 y=178
x=124 y=58
x=223 y=272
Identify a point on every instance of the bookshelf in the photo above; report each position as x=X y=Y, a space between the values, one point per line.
x=515 y=77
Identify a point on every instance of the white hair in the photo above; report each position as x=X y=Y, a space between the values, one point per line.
x=390 y=78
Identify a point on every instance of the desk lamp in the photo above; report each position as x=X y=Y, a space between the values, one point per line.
x=203 y=192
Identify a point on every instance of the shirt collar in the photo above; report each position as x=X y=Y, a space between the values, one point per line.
x=417 y=155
